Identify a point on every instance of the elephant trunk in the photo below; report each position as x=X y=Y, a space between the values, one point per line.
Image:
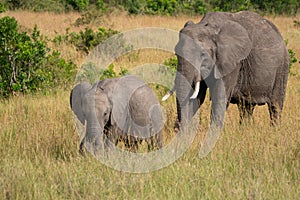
x=186 y=107
x=93 y=139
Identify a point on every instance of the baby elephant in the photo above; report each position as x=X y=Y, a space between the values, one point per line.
x=123 y=108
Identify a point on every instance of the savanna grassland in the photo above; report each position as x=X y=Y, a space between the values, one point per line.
x=39 y=143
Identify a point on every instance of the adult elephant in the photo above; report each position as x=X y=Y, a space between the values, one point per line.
x=240 y=57
x=115 y=108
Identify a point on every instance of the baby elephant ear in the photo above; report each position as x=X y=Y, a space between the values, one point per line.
x=233 y=45
x=76 y=100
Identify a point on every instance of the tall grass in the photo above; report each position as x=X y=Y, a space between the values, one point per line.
x=39 y=156
x=40 y=159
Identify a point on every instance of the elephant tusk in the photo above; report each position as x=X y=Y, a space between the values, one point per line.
x=195 y=94
x=168 y=94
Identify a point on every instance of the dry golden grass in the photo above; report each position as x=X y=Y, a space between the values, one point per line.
x=47 y=23
x=39 y=142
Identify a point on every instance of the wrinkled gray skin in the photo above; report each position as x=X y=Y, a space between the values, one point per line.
x=113 y=116
x=244 y=51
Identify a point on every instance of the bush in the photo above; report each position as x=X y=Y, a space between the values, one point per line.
x=277 y=6
x=195 y=7
x=90 y=73
x=134 y=7
x=92 y=15
x=293 y=59
x=79 y=5
x=162 y=7
x=110 y=72
x=2 y=8
x=85 y=40
x=171 y=64
x=168 y=7
x=27 y=65
x=37 y=5
x=230 y=6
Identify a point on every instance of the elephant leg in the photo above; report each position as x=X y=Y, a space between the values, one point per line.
x=116 y=135
x=159 y=139
x=134 y=146
x=150 y=143
x=154 y=141
x=130 y=142
x=219 y=103
x=246 y=111
x=278 y=94
x=126 y=140
x=274 y=110
x=177 y=125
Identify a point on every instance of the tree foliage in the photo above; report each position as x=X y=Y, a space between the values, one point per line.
x=164 y=7
x=85 y=40
x=26 y=63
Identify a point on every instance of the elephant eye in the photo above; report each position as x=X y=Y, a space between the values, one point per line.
x=105 y=113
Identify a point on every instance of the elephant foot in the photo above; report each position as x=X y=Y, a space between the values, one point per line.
x=177 y=126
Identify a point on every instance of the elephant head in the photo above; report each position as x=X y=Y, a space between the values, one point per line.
x=94 y=115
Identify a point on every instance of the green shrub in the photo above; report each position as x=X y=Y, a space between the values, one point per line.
x=110 y=72
x=89 y=72
x=168 y=7
x=162 y=7
x=134 y=7
x=37 y=5
x=171 y=64
x=277 y=6
x=293 y=59
x=62 y=72
x=27 y=64
x=85 y=40
x=2 y=8
x=79 y=5
x=200 y=7
x=89 y=16
x=230 y=6
x=194 y=7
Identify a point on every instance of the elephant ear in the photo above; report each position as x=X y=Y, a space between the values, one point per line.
x=233 y=45
x=76 y=100
x=188 y=23
x=123 y=91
